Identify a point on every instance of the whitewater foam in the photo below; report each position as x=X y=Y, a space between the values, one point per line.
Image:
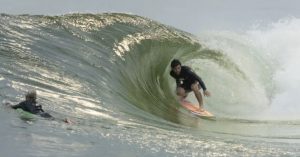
x=269 y=57
x=280 y=41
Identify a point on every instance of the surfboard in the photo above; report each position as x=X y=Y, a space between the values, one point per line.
x=27 y=116
x=196 y=111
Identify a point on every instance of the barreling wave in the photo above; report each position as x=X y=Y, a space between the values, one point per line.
x=112 y=70
x=124 y=60
x=111 y=63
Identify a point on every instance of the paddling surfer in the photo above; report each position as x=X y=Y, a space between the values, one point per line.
x=30 y=105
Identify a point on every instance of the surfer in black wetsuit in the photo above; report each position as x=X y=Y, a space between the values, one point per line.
x=30 y=105
x=187 y=81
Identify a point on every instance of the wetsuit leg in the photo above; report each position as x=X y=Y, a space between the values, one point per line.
x=45 y=115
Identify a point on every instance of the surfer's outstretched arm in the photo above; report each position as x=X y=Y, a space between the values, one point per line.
x=13 y=106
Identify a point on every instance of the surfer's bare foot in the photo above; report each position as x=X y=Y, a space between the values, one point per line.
x=201 y=109
x=68 y=121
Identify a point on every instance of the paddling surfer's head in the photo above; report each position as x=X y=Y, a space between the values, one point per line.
x=176 y=66
x=31 y=96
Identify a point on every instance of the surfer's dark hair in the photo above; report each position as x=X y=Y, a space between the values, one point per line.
x=175 y=62
x=31 y=95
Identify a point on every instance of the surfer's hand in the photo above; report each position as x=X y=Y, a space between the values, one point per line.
x=8 y=104
x=206 y=93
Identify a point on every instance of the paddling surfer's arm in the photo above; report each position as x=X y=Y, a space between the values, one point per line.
x=26 y=106
x=14 y=106
x=19 y=105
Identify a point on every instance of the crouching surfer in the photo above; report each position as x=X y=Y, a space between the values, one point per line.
x=30 y=105
x=187 y=81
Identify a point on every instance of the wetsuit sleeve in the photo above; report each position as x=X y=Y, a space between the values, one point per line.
x=39 y=108
x=196 y=77
x=18 y=105
x=26 y=106
x=177 y=80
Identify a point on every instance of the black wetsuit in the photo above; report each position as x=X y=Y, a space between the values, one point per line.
x=30 y=106
x=186 y=78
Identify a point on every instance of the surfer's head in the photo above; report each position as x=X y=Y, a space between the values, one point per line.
x=31 y=95
x=176 y=66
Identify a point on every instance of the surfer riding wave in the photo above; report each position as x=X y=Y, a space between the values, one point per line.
x=187 y=81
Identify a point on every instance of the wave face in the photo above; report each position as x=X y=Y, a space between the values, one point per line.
x=110 y=72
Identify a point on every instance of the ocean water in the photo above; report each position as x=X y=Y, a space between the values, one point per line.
x=110 y=74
